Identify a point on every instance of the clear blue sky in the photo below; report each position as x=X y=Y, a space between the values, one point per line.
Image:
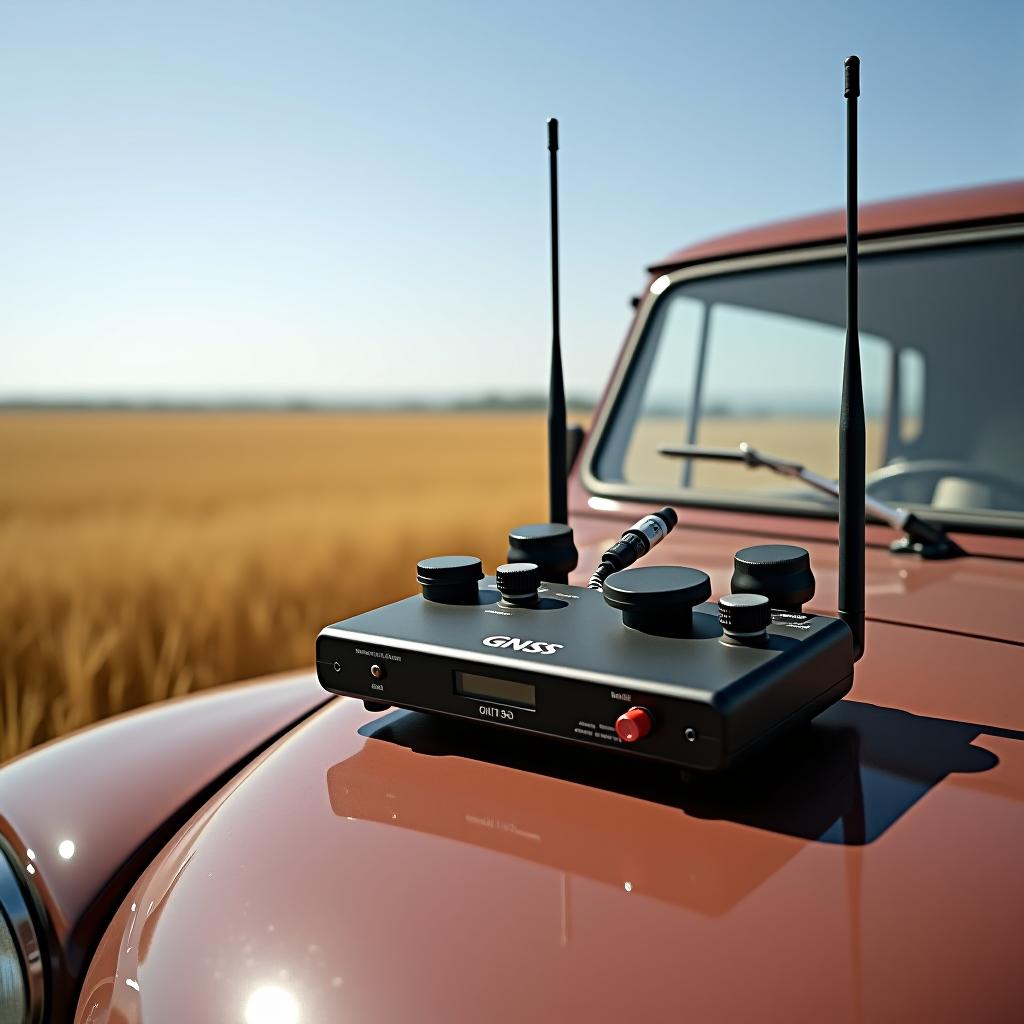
x=348 y=200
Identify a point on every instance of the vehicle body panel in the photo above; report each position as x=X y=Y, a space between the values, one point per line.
x=598 y=508
x=968 y=207
x=401 y=867
x=113 y=790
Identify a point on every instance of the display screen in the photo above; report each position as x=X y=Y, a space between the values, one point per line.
x=502 y=690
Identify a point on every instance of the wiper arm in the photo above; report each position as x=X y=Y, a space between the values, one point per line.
x=920 y=538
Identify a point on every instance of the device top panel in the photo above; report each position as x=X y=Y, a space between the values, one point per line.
x=574 y=632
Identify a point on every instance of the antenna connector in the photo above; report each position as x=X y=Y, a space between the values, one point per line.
x=852 y=77
x=635 y=543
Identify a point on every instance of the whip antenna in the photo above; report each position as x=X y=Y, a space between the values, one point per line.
x=558 y=484
x=851 y=414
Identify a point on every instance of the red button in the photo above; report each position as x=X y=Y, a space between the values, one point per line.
x=634 y=725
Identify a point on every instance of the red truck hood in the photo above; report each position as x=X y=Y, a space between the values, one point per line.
x=974 y=596
x=396 y=867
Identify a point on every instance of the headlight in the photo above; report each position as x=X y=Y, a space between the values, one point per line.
x=21 y=963
x=13 y=994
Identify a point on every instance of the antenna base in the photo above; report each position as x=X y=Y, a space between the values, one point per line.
x=923 y=549
x=855 y=620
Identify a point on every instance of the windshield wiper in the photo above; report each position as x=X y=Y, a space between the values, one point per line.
x=920 y=538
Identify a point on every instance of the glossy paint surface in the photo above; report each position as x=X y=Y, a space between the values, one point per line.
x=81 y=814
x=399 y=867
x=984 y=204
x=395 y=867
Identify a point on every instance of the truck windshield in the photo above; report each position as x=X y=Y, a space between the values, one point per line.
x=756 y=356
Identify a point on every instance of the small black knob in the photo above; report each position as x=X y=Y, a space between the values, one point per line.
x=548 y=545
x=745 y=617
x=782 y=572
x=450 y=579
x=518 y=582
x=658 y=599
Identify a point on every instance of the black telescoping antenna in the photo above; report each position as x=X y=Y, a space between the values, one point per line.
x=558 y=485
x=550 y=545
x=851 y=414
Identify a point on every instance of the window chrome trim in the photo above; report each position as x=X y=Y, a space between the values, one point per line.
x=975 y=521
x=15 y=908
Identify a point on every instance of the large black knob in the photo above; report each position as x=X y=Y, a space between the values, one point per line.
x=450 y=579
x=658 y=599
x=518 y=582
x=548 y=545
x=744 y=617
x=782 y=572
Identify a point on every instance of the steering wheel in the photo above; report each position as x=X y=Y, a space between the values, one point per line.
x=915 y=481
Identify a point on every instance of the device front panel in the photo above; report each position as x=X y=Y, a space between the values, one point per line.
x=679 y=730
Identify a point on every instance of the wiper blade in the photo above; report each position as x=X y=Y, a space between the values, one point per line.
x=920 y=537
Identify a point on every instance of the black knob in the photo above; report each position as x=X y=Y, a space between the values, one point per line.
x=745 y=617
x=450 y=579
x=548 y=545
x=782 y=572
x=518 y=582
x=658 y=599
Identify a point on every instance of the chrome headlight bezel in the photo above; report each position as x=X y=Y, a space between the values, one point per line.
x=16 y=918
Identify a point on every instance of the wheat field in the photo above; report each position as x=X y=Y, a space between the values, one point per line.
x=148 y=554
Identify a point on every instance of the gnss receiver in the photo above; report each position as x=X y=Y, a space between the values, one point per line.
x=639 y=661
